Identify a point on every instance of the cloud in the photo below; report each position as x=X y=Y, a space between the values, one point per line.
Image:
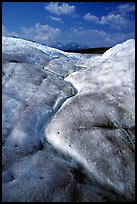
x=41 y=33
x=89 y=37
x=27 y=31
x=98 y=38
x=38 y=33
x=126 y=8
x=117 y=19
x=46 y=31
x=83 y=32
x=55 y=19
x=64 y=9
x=116 y=38
x=7 y=33
x=92 y=18
x=114 y=20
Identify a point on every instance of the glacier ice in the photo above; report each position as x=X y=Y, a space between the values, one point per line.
x=67 y=123
x=96 y=127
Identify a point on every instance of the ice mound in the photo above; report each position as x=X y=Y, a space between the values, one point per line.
x=96 y=127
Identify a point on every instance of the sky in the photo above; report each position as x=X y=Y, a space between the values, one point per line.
x=93 y=24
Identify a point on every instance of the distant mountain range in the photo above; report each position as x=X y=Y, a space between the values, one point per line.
x=69 y=46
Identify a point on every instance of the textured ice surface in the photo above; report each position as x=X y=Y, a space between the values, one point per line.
x=115 y=68
x=62 y=67
x=32 y=95
x=87 y=101
x=43 y=177
x=96 y=126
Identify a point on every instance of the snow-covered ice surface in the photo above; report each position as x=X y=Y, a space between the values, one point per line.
x=67 y=124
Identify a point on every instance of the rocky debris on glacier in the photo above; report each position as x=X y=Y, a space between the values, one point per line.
x=96 y=127
x=89 y=146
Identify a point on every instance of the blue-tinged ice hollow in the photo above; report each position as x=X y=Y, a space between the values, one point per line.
x=96 y=127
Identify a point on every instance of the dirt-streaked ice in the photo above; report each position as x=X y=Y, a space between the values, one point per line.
x=96 y=127
x=67 y=124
